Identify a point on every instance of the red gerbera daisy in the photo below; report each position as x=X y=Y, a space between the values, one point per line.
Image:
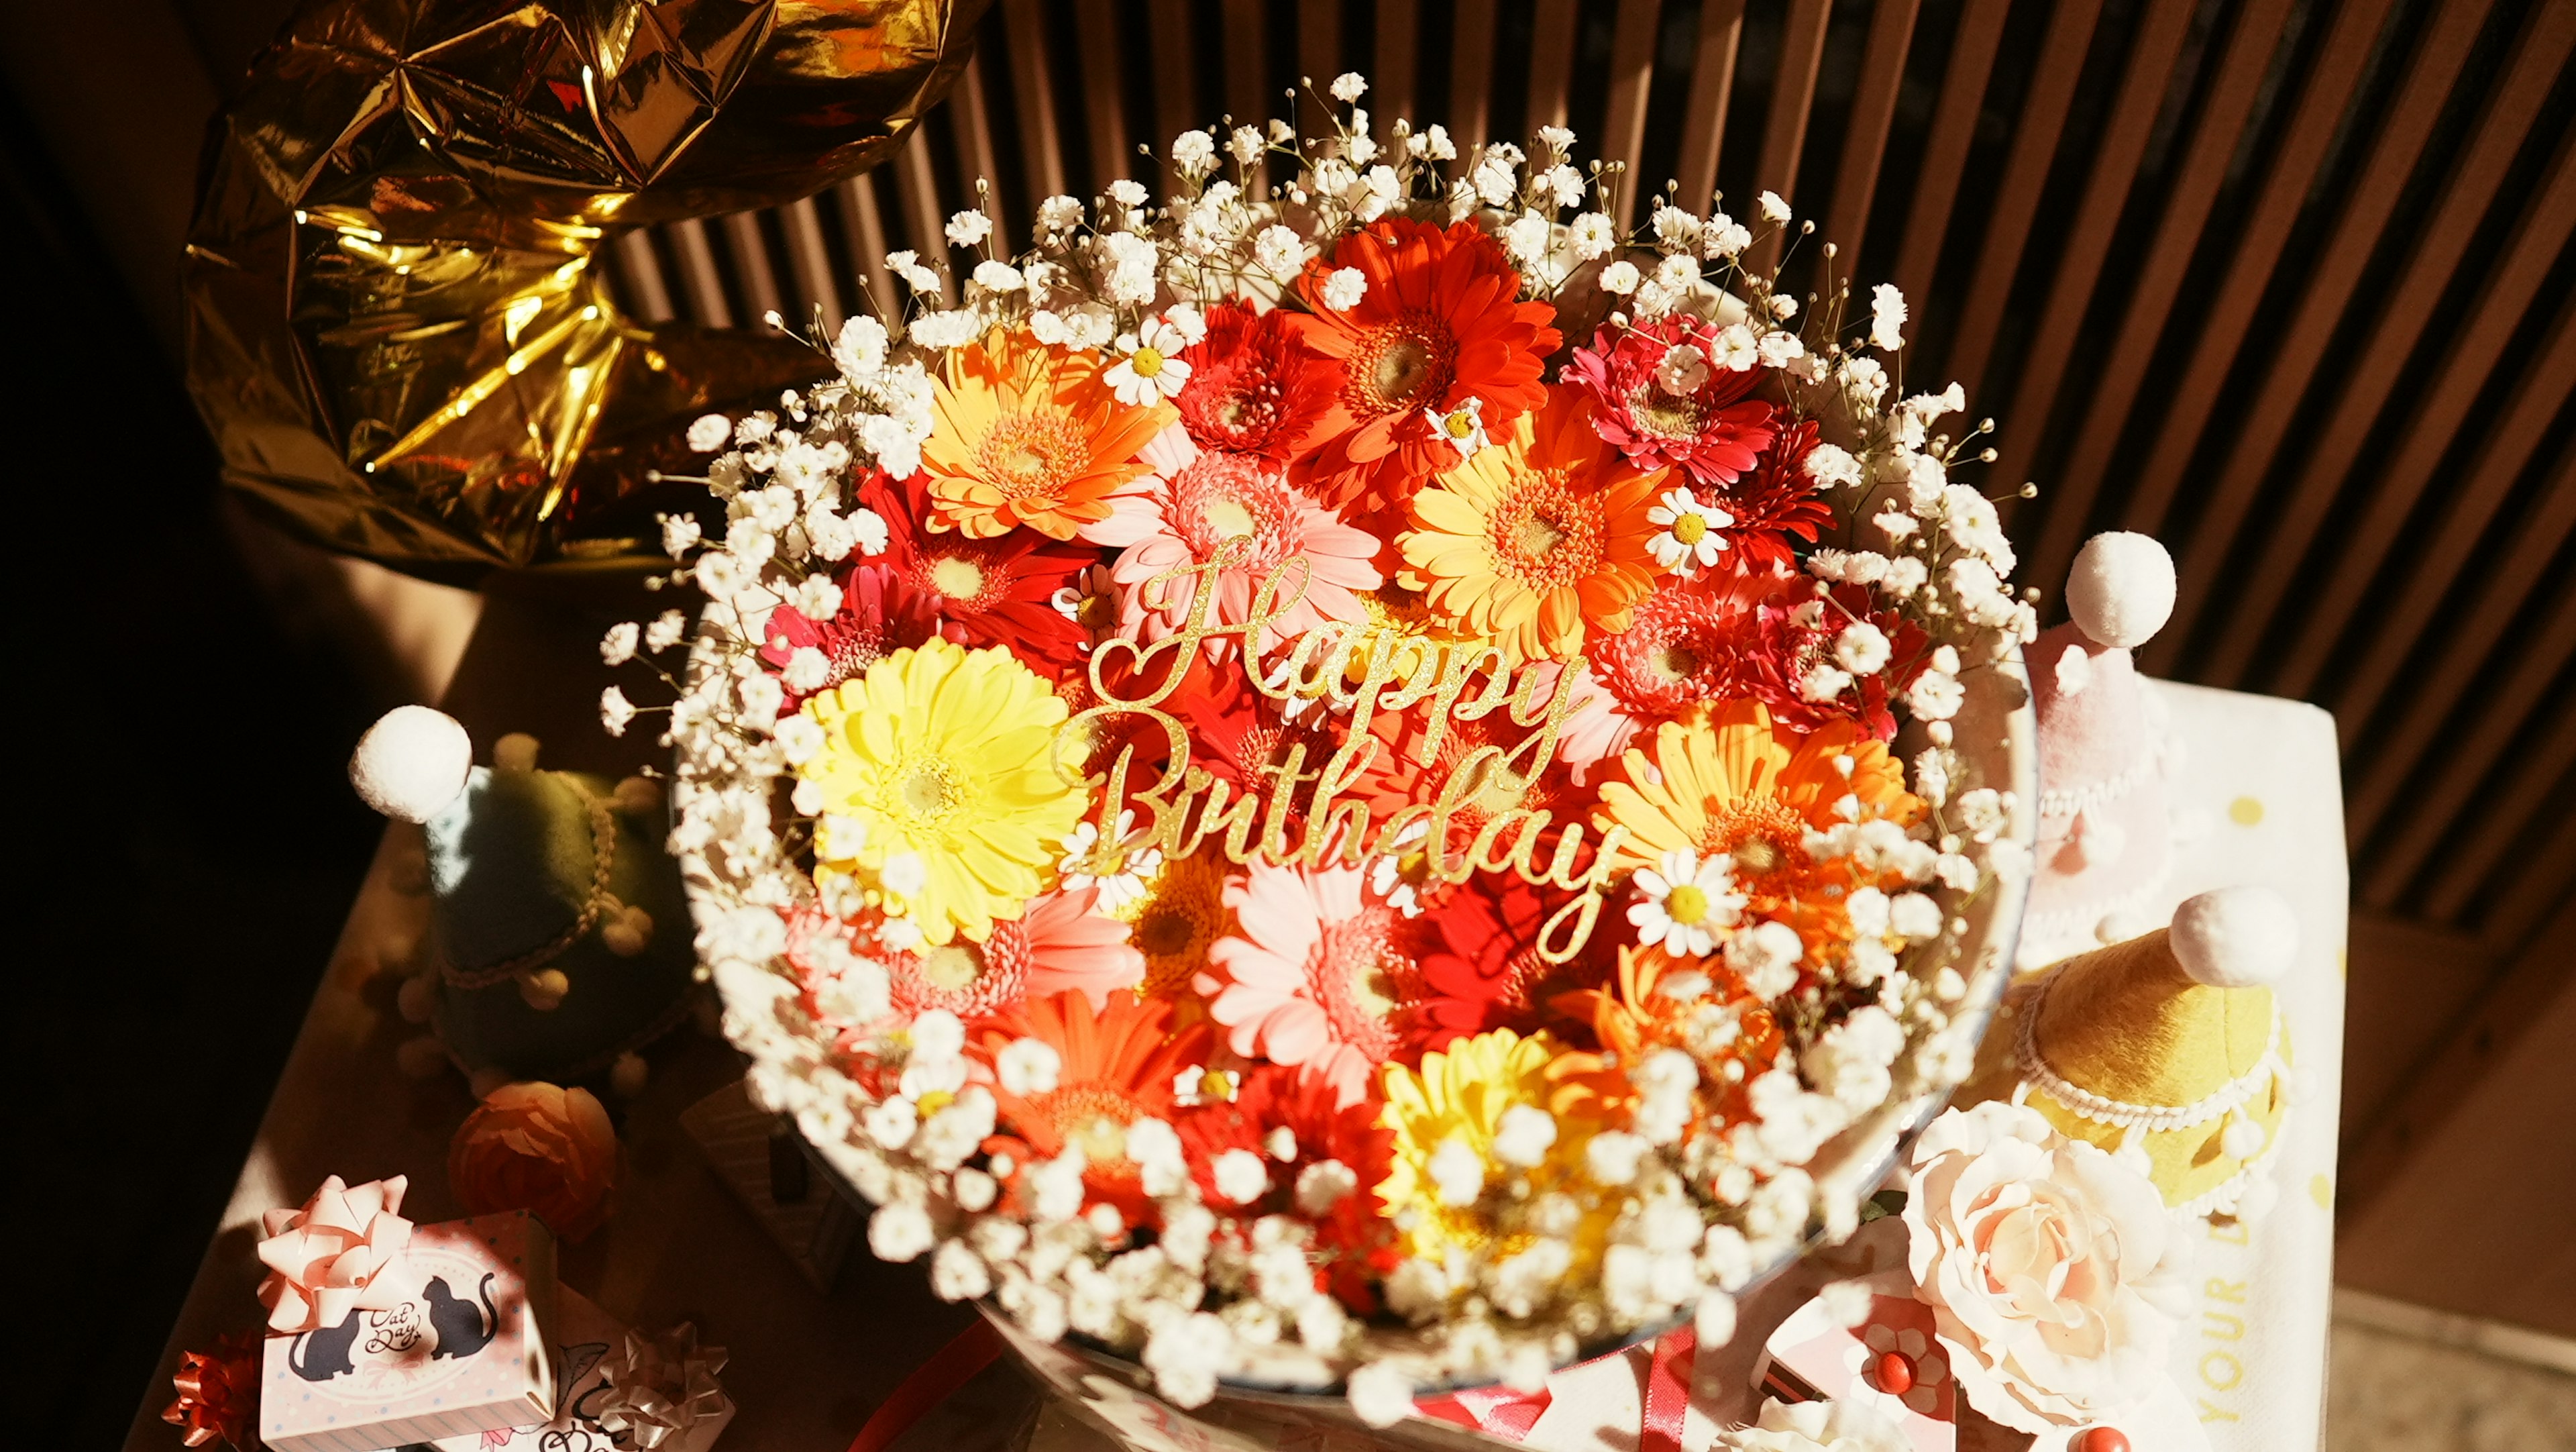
x=1439 y=326
x=1250 y=391
x=1353 y=1239
x=1668 y=409
x=1776 y=500
x=1116 y=1067
x=1480 y=964
x=1791 y=633
x=1235 y=735
x=880 y=614
x=998 y=591
x=1397 y=777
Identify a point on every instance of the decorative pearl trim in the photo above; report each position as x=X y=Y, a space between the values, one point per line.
x=2067 y=801
x=2084 y=918
x=2086 y=1104
x=2224 y=1197
x=603 y=858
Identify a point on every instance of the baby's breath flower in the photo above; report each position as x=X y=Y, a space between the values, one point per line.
x=1194 y=153
x=709 y=433
x=618 y=646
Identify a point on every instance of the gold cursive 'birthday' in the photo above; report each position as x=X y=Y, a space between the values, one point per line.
x=1362 y=669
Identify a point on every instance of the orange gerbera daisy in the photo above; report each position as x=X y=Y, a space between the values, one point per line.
x=1028 y=435
x=1439 y=328
x=1632 y=1016
x=1117 y=1067
x=1727 y=778
x=1538 y=539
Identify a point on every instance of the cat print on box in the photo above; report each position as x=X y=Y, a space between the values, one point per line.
x=462 y=1352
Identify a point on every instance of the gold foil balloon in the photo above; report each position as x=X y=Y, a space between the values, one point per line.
x=397 y=329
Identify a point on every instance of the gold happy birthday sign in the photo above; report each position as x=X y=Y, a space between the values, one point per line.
x=1366 y=669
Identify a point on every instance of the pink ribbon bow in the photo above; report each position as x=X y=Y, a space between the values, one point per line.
x=331 y=1257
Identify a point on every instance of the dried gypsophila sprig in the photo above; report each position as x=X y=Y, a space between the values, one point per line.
x=1708 y=1212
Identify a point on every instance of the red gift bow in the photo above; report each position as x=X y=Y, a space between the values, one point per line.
x=1501 y=1412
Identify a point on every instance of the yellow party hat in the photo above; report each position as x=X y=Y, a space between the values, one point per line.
x=2168 y=1050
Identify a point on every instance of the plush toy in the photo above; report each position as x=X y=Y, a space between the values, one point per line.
x=558 y=940
x=2167 y=1049
x=2104 y=839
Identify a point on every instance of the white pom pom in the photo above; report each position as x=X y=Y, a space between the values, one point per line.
x=411 y=763
x=417 y=999
x=2236 y=937
x=2121 y=590
x=421 y=1058
x=626 y=1077
x=2243 y=1139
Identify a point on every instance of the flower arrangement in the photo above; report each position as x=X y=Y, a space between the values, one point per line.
x=1350 y=782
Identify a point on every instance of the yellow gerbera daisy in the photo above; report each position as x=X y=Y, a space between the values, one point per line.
x=1726 y=778
x=940 y=757
x=1537 y=539
x=1460 y=1098
x=1027 y=434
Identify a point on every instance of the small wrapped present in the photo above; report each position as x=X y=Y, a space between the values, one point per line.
x=459 y=1346
x=605 y=1375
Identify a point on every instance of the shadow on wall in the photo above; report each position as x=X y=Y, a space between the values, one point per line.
x=187 y=843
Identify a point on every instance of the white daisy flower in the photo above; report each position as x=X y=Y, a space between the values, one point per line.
x=1152 y=371
x=1117 y=889
x=1690 y=540
x=1462 y=427
x=1687 y=898
x=1199 y=1084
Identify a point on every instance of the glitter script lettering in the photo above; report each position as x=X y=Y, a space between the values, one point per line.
x=1360 y=669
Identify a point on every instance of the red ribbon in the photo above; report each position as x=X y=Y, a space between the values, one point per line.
x=1502 y=1412
x=1494 y=1410
x=950 y=1367
x=1668 y=1383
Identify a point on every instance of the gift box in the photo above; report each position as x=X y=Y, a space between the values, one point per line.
x=463 y=1350
x=585 y=1342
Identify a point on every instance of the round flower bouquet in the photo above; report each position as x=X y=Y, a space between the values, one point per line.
x=1352 y=786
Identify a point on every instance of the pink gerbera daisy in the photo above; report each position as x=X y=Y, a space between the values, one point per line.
x=880 y=614
x=1663 y=399
x=1059 y=943
x=1315 y=978
x=1201 y=506
x=1680 y=648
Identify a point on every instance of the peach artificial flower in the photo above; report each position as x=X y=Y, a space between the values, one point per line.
x=538 y=1148
x=330 y=1257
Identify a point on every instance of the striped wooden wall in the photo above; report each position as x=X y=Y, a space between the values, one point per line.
x=2284 y=282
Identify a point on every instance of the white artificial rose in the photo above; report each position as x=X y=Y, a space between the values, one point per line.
x=2053 y=1271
